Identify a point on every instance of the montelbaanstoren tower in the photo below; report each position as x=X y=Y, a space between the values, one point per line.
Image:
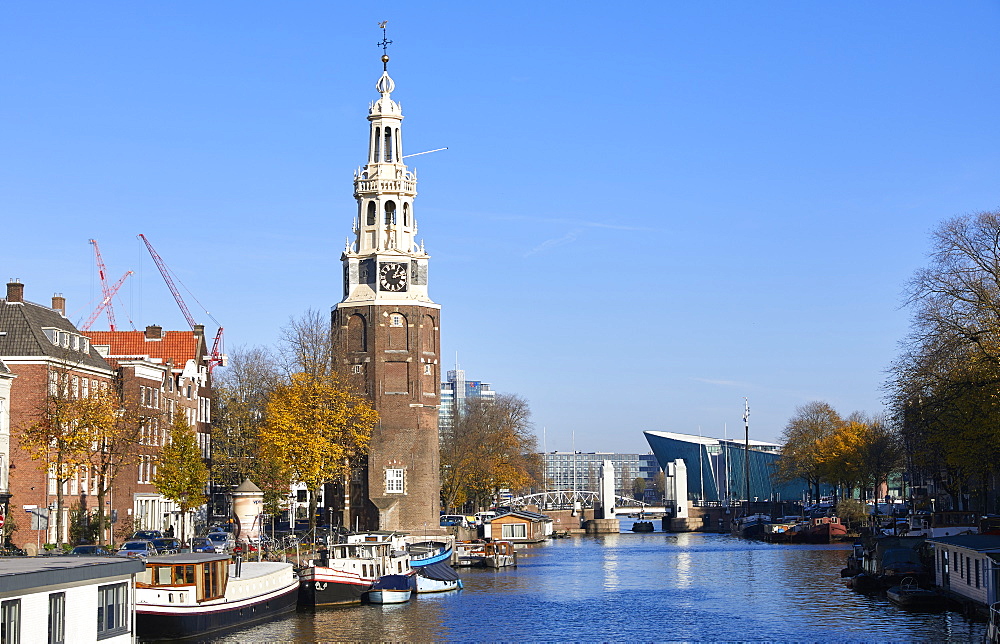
x=387 y=332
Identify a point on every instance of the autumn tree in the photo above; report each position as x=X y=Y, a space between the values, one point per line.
x=638 y=487
x=315 y=431
x=57 y=439
x=491 y=448
x=803 y=437
x=112 y=430
x=241 y=391
x=943 y=387
x=181 y=474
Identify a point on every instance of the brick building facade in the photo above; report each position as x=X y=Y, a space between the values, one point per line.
x=161 y=373
x=47 y=354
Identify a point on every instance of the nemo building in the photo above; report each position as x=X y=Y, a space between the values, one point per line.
x=387 y=333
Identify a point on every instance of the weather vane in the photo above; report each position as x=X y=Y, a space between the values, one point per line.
x=385 y=40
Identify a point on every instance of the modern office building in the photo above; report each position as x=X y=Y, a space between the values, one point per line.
x=581 y=470
x=716 y=467
x=455 y=392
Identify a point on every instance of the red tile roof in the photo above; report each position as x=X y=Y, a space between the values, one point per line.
x=179 y=346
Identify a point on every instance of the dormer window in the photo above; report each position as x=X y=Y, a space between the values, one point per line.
x=52 y=335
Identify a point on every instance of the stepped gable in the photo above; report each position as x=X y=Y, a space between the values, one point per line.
x=23 y=323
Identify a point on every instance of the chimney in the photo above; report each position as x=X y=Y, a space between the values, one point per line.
x=154 y=332
x=15 y=291
x=59 y=303
x=199 y=330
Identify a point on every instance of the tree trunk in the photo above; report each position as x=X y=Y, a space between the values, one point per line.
x=100 y=510
x=59 y=499
x=312 y=510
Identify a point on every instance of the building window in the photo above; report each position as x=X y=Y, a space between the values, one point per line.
x=356 y=368
x=428 y=370
x=514 y=531
x=112 y=610
x=396 y=319
x=394 y=481
x=10 y=621
x=57 y=618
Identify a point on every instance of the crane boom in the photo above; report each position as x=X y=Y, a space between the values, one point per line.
x=102 y=272
x=105 y=303
x=216 y=357
x=169 y=280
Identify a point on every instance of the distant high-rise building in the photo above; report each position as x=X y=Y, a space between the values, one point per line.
x=581 y=470
x=455 y=393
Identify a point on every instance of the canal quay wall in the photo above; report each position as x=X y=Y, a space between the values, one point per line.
x=720 y=518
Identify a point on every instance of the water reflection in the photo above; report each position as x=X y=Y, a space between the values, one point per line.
x=651 y=586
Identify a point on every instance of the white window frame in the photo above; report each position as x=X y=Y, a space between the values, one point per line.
x=395 y=481
x=514 y=530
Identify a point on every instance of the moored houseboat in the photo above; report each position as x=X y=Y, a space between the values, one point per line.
x=189 y=595
x=485 y=554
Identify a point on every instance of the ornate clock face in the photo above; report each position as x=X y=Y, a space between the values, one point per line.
x=392 y=277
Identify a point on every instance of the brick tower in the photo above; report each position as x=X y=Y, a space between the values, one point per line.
x=386 y=330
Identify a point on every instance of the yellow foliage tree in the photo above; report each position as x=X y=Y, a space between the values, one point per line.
x=314 y=430
x=57 y=438
x=111 y=430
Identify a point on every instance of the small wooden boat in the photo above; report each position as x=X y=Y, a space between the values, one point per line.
x=909 y=595
x=500 y=554
x=392 y=589
x=189 y=595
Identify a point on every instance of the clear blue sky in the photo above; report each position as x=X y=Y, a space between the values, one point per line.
x=647 y=211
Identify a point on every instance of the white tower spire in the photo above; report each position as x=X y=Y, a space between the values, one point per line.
x=384 y=261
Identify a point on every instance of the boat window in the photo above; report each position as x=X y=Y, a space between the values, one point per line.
x=161 y=575
x=184 y=574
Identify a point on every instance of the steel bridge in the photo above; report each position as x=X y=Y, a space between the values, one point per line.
x=567 y=499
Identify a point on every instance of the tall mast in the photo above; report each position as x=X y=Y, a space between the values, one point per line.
x=746 y=454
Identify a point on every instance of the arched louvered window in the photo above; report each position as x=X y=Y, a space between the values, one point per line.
x=378 y=144
x=388 y=144
x=370 y=219
x=406 y=214
x=390 y=212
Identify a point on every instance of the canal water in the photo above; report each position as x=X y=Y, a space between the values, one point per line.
x=645 y=587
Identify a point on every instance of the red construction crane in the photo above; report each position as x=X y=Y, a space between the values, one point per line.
x=108 y=292
x=216 y=357
x=105 y=305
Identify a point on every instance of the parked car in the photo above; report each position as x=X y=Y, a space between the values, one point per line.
x=147 y=535
x=91 y=551
x=139 y=548
x=453 y=519
x=167 y=546
x=202 y=544
x=223 y=541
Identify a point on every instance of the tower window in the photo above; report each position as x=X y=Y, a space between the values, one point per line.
x=390 y=212
x=394 y=482
x=396 y=319
x=388 y=144
x=378 y=144
x=406 y=214
x=370 y=220
x=399 y=146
